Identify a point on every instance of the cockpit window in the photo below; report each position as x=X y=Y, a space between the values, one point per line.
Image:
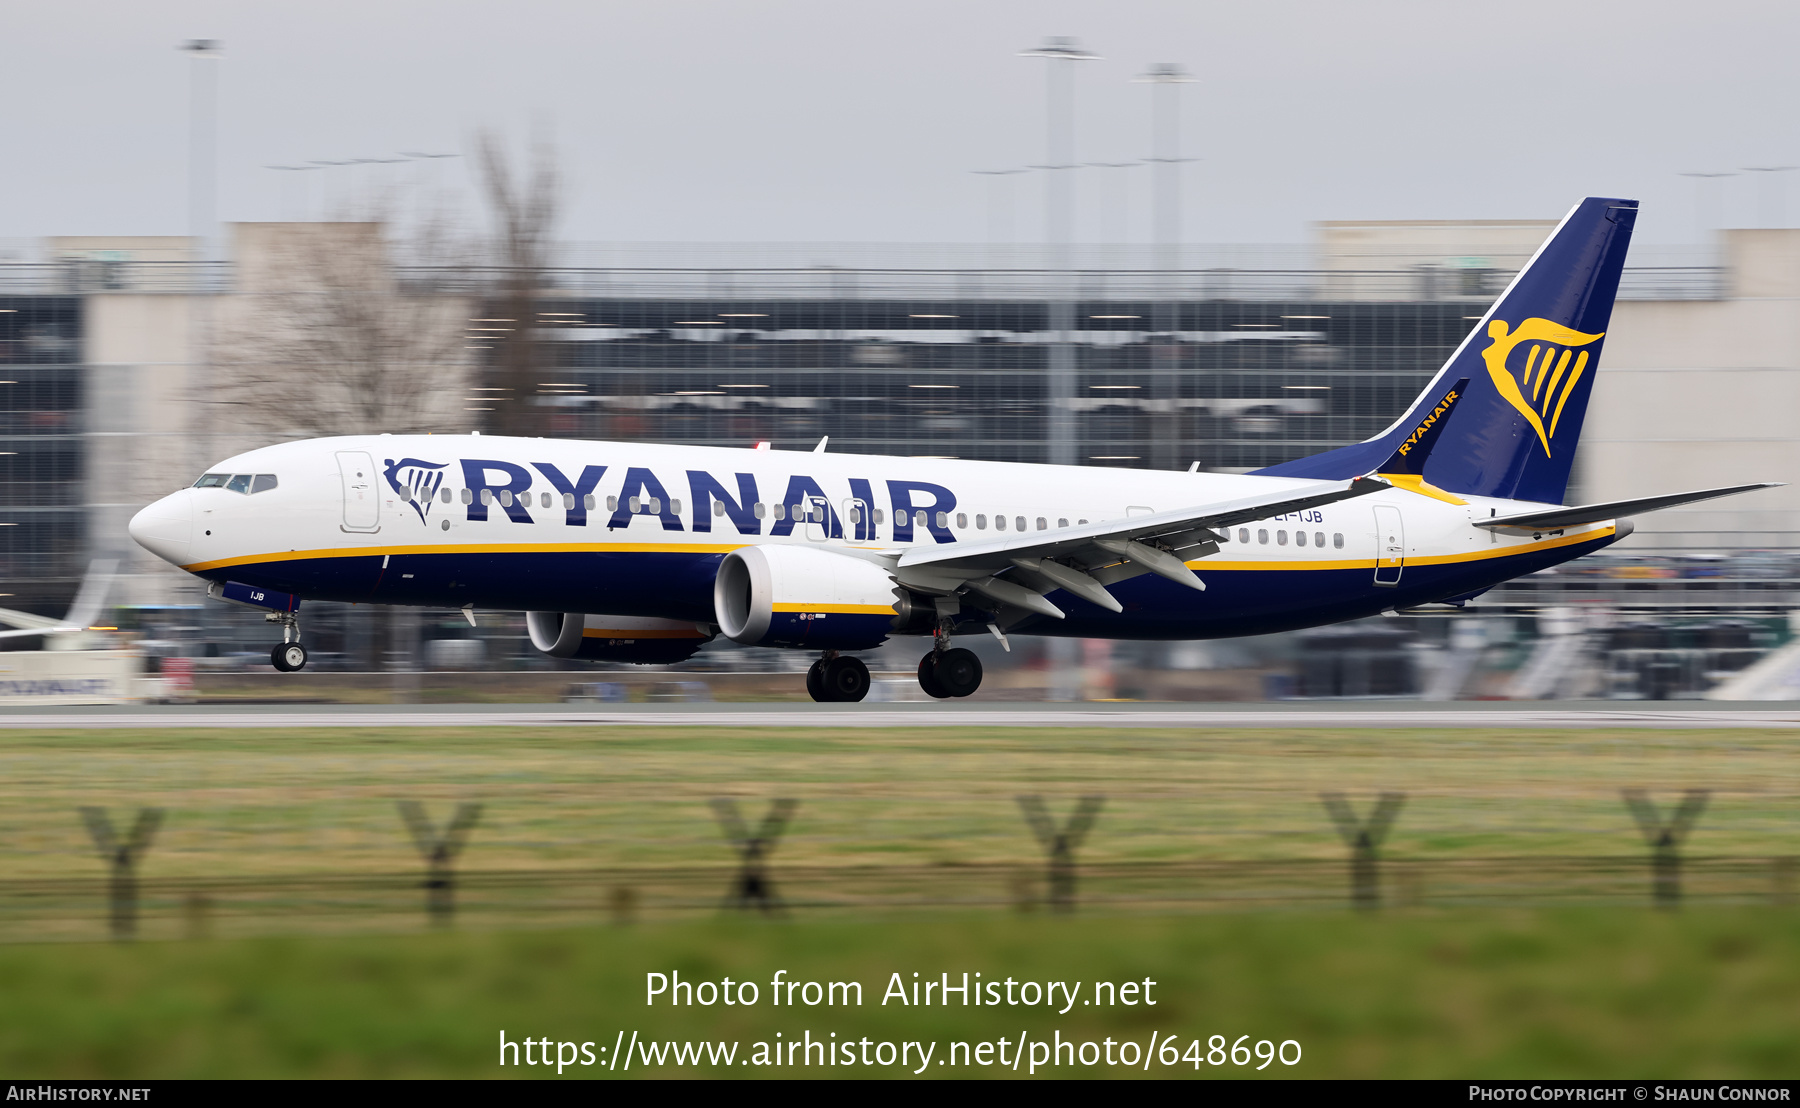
x=246 y=483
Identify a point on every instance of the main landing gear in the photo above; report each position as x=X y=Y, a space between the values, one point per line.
x=949 y=671
x=288 y=655
x=838 y=678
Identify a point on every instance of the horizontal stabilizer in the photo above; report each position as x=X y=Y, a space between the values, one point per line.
x=1595 y=513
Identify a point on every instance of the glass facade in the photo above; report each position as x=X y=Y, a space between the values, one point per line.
x=43 y=532
x=1230 y=384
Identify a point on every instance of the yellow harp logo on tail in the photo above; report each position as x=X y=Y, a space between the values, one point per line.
x=1545 y=382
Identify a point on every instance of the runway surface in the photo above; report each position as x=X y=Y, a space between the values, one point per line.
x=1365 y=715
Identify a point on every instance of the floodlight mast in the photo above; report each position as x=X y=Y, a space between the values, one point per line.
x=1165 y=146
x=1060 y=56
x=203 y=85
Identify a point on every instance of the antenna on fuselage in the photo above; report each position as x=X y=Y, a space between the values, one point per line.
x=820 y=449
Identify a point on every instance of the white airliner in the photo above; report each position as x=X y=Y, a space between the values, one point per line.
x=642 y=553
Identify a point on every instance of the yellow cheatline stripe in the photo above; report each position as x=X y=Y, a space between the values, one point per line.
x=1207 y=564
x=664 y=633
x=480 y=548
x=838 y=609
x=669 y=548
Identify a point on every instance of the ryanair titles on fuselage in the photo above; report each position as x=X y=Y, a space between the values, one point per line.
x=493 y=483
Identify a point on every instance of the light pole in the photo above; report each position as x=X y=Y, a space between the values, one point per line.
x=1165 y=79
x=203 y=89
x=1060 y=55
x=1165 y=146
x=1772 y=213
x=1059 y=138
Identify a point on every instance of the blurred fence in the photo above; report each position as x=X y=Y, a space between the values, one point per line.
x=126 y=904
x=78 y=908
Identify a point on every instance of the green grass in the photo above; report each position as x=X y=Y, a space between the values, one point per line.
x=322 y=801
x=1426 y=990
x=1512 y=993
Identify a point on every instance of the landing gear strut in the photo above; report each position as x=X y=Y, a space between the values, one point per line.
x=837 y=678
x=289 y=655
x=949 y=671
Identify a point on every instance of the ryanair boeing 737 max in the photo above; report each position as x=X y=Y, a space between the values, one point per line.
x=642 y=553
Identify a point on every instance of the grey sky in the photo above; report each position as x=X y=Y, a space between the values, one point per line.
x=827 y=119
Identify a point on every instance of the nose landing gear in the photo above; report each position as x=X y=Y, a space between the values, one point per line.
x=837 y=678
x=288 y=655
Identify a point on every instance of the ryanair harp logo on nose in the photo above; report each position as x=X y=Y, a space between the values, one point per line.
x=415 y=481
x=1540 y=386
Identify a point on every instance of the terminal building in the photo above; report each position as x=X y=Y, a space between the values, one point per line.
x=125 y=365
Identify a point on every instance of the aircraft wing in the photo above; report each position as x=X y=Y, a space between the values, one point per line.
x=31 y=624
x=1550 y=519
x=53 y=629
x=82 y=610
x=1083 y=560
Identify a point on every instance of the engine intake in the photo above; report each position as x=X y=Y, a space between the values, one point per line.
x=804 y=596
x=637 y=640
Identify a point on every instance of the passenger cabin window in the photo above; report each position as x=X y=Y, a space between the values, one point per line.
x=1299 y=538
x=446 y=495
x=962 y=519
x=1062 y=523
x=999 y=523
x=1319 y=539
x=1243 y=534
x=1019 y=523
x=1262 y=537
x=1337 y=542
x=980 y=522
x=1043 y=524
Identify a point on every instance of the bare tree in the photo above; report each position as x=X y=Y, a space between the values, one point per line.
x=324 y=336
x=524 y=207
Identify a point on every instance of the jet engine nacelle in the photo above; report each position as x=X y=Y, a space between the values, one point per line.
x=804 y=596
x=634 y=639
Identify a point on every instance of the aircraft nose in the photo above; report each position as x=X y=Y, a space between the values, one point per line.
x=166 y=527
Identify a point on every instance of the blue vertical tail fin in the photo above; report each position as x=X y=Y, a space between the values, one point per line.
x=1530 y=362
